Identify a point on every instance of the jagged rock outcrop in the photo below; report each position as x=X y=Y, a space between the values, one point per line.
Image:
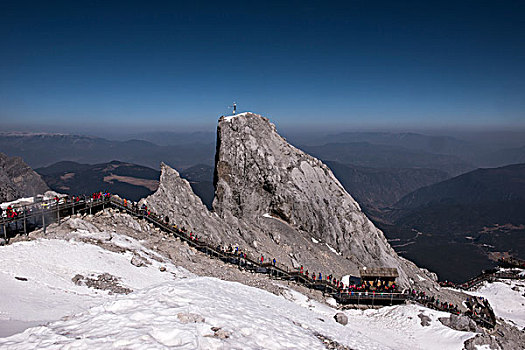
x=175 y=198
x=460 y=323
x=273 y=199
x=18 y=180
x=259 y=173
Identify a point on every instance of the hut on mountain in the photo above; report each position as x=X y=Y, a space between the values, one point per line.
x=378 y=278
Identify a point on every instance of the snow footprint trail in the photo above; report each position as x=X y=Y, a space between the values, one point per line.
x=148 y=319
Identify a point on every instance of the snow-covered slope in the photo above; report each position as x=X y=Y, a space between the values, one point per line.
x=161 y=310
x=507 y=298
x=36 y=278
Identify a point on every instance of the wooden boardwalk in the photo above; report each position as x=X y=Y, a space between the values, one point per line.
x=40 y=215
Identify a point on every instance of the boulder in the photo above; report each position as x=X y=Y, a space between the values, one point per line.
x=341 y=318
x=425 y=320
x=137 y=261
x=460 y=323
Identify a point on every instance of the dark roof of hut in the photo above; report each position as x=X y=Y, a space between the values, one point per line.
x=381 y=272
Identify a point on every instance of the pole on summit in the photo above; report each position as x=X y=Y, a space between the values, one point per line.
x=234 y=108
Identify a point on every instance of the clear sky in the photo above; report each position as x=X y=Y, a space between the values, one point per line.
x=166 y=64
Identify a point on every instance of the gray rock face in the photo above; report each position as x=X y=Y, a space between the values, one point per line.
x=259 y=174
x=175 y=198
x=18 y=180
x=503 y=337
x=460 y=323
x=425 y=320
x=273 y=199
x=341 y=318
x=103 y=281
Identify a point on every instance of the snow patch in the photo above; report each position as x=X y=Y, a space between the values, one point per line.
x=315 y=240
x=332 y=249
x=230 y=117
x=18 y=202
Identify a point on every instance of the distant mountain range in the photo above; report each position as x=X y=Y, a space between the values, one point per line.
x=128 y=180
x=40 y=150
x=474 y=217
x=369 y=155
x=408 y=140
x=376 y=188
x=185 y=149
x=482 y=149
x=170 y=138
x=505 y=156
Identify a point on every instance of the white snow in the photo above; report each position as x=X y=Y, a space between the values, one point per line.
x=31 y=200
x=507 y=303
x=315 y=240
x=332 y=249
x=148 y=318
x=266 y=215
x=49 y=265
x=230 y=117
x=18 y=202
x=399 y=327
x=255 y=318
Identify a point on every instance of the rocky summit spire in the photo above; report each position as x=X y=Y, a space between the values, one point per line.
x=273 y=199
x=17 y=179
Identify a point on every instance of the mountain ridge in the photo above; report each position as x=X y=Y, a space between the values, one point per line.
x=18 y=180
x=272 y=199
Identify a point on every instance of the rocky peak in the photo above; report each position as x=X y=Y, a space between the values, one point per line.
x=18 y=180
x=175 y=198
x=258 y=173
x=273 y=199
x=249 y=148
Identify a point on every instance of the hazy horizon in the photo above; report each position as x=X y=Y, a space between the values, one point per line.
x=505 y=137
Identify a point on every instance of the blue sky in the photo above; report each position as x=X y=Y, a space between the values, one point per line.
x=171 y=64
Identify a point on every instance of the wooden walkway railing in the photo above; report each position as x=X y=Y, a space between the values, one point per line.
x=40 y=215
